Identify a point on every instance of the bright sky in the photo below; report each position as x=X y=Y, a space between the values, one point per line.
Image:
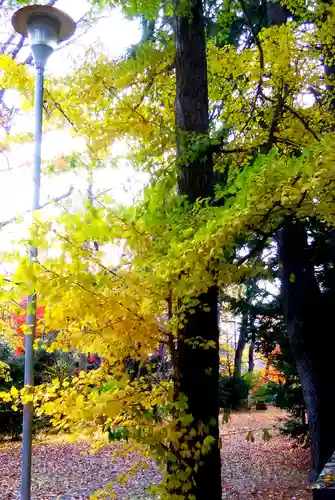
x=115 y=34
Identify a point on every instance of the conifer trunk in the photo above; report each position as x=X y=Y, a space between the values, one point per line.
x=198 y=368
x=308 y=317
x=312 y=342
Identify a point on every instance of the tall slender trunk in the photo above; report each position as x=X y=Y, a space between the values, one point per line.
x=198 y=367
x=241 y=344
x=251 y=361
x=311 y=340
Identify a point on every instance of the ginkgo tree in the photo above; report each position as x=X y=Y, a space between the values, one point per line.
x=232 y=155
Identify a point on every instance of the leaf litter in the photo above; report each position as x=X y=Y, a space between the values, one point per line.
x=253 y=469
x=264 y=467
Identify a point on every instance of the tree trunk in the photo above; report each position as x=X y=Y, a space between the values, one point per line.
x=276 y=13
x=329 y=63
x=311 y=340
x=305 y=317
x=198 y=367
x=196 y=177
x=241 y=344
x=83 y=362
x=251 y=361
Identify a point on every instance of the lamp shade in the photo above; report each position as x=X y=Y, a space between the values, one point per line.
x=43 y=30
x=57 y=26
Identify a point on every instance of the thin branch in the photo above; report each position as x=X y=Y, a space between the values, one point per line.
x=134 y=109
x=254 y=34
x=54 y=200
x=7 y=161
x=219 y=149
x=68 y=119
x=302 y=120
x=296 y=115
x=277 y=114
x=18 y=48
x=283 y=140
x=89 y=251
x=261 y=63
x=255 y=250
x=73 y=282
x=117 y=216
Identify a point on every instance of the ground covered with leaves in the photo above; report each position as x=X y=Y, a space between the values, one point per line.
x=257 y=469
x=253 y=469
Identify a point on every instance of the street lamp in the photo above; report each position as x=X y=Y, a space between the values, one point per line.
x=45 y=27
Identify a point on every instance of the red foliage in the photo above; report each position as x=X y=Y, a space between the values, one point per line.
x=20 y=319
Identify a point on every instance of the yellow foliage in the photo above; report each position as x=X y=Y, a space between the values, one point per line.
x=172 y=252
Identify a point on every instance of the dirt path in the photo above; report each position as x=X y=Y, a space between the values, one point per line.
x=256 y=470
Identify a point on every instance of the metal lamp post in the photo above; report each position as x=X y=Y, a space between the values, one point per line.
x=45 y=27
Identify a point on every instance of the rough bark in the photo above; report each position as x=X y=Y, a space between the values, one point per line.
x=198 y=379
x=196 y=177
x=198 y=368
x=311 y=340
x=241 y=344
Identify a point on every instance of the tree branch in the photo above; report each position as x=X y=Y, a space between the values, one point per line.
x=255 y=250
x=295 y=114
x=54 y=200
x=261 y=62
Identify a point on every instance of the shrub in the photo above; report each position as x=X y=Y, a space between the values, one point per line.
x=10 y=419
x=47 y=367
x=297 y=430
x=60 y=369
x=233 y=392
x=289 y=397
x=261 y=396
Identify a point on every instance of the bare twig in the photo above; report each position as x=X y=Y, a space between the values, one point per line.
x=53 y=200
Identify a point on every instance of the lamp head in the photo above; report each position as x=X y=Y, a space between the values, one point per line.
x=45 y=27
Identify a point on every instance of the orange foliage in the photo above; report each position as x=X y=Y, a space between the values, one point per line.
x=270 y=374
